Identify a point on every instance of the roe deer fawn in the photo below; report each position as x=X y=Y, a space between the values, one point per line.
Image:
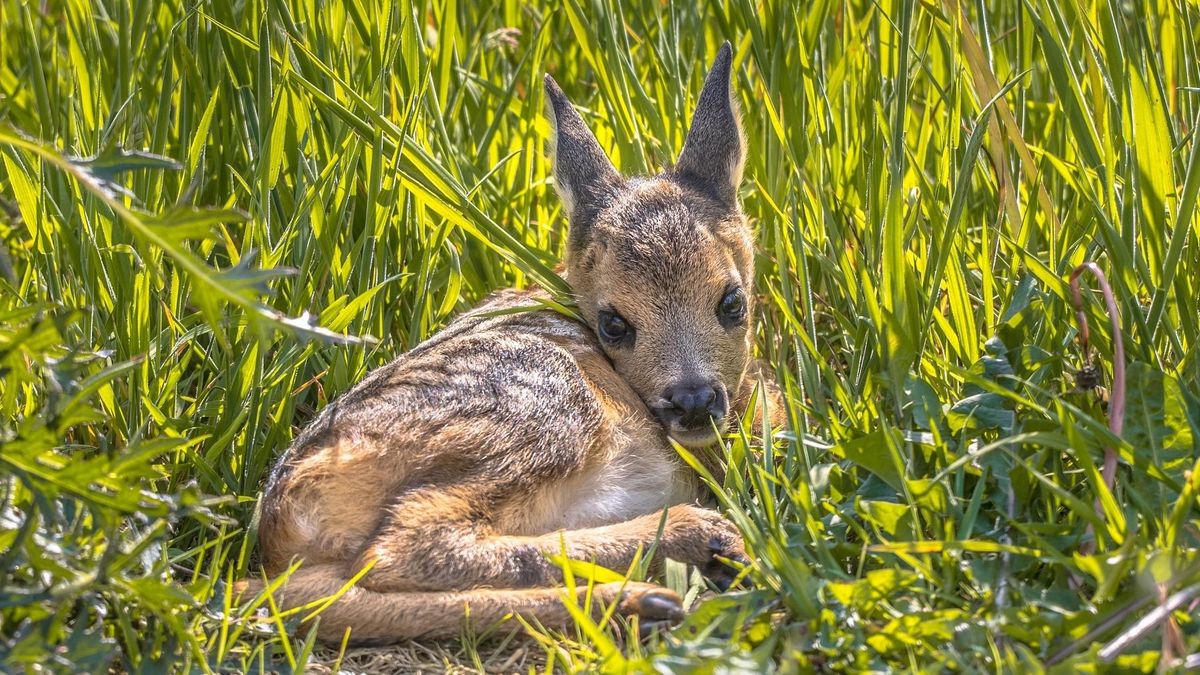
x=505 y=437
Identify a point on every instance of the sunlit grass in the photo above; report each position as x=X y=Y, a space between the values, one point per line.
x=309 y=189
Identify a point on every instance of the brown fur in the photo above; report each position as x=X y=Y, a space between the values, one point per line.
x=456 y=470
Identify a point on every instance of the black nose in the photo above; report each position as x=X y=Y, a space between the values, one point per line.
x=693 y=405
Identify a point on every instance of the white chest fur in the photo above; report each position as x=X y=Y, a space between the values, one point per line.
x=629 y=487
x=629 y=484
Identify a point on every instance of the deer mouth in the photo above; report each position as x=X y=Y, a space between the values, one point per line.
x=695 y=439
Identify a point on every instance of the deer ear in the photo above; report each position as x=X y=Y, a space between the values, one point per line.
x=584 y=178
x=714 y=152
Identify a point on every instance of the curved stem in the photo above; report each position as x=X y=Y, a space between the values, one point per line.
x=1116 y=403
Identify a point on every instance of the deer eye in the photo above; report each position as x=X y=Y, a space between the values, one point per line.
x=614 y=329
x=731 y=311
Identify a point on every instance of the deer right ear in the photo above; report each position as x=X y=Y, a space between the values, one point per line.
x=715 y=150
x=584 y=178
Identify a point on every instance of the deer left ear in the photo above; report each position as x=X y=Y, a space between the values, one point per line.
x=715 y=149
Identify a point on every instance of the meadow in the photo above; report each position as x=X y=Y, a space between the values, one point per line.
x=217 y=216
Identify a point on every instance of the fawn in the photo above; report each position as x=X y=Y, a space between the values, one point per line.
x=453 y=471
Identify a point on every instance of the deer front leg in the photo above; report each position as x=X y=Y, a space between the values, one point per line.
x=437 y=540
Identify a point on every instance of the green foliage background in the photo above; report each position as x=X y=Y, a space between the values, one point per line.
x=923 y=177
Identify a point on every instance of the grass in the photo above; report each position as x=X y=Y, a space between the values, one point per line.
x=218 y=216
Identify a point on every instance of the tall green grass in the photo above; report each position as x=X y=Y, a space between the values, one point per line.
x=218 y=216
